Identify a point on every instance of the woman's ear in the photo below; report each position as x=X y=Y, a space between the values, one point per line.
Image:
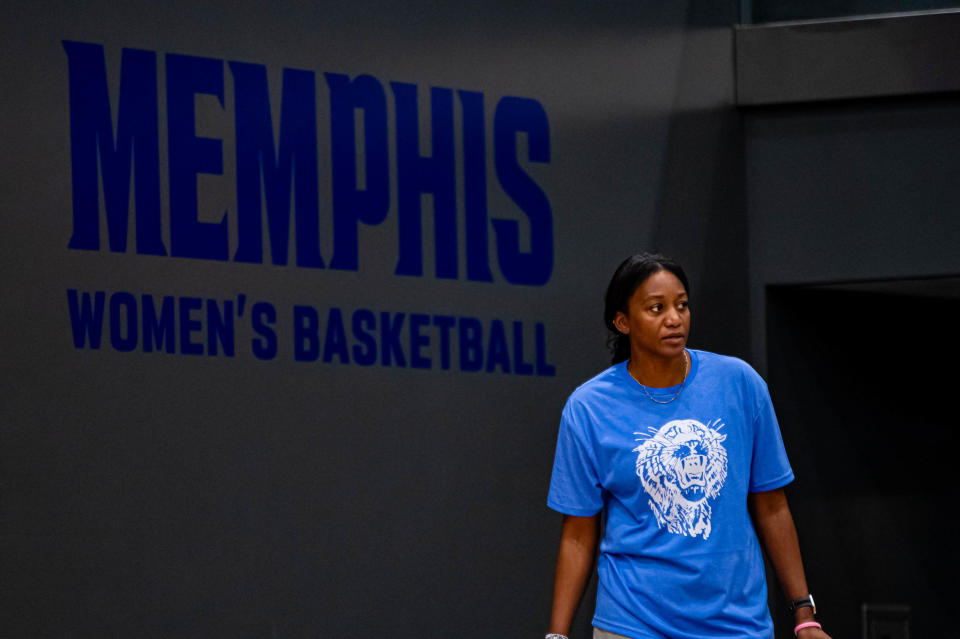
x=620 y=323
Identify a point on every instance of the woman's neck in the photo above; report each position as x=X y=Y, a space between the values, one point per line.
x=657 y=372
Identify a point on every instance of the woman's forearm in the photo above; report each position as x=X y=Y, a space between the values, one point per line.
x=778 y=534
x=575 y=558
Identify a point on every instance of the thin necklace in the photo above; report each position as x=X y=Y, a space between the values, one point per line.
x=686 y=369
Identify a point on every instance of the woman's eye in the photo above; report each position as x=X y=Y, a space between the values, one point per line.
x=656 y=308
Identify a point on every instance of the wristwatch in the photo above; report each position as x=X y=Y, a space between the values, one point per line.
x=803 y=602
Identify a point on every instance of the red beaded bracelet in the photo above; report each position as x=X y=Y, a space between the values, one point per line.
x=808 y=624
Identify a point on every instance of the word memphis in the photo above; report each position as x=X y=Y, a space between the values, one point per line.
x=197 y=326
x=277 y=177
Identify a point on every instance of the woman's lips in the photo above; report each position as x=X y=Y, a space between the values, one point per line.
x=676 y=337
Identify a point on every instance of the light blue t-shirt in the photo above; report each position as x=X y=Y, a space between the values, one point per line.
x=679 y=556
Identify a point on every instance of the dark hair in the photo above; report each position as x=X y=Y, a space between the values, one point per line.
x=631 y=273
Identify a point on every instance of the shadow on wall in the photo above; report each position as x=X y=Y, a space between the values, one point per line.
x=701 y=206
x=862 y=379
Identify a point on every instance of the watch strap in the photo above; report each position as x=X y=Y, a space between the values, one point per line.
x=803 y=602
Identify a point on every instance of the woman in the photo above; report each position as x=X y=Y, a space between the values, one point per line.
x=679 y=452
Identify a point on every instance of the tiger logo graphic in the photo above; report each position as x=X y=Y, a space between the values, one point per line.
x=681 y=467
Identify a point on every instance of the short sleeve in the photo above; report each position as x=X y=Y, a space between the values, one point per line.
x=770 y=468
x=574 y=486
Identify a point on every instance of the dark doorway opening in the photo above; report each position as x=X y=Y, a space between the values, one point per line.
x=864 y=379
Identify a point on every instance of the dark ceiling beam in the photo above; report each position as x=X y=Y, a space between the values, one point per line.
x=848 y=58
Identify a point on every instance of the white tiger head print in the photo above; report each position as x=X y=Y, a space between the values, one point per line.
x=681 y=467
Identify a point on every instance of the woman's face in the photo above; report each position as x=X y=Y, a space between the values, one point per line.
x=657 y=320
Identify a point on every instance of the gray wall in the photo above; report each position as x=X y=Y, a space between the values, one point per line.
x=853 y=262
x=849 y=191
x=162 y=494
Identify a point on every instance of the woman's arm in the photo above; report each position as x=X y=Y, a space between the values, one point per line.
x=578 y=549
x=777 y=533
